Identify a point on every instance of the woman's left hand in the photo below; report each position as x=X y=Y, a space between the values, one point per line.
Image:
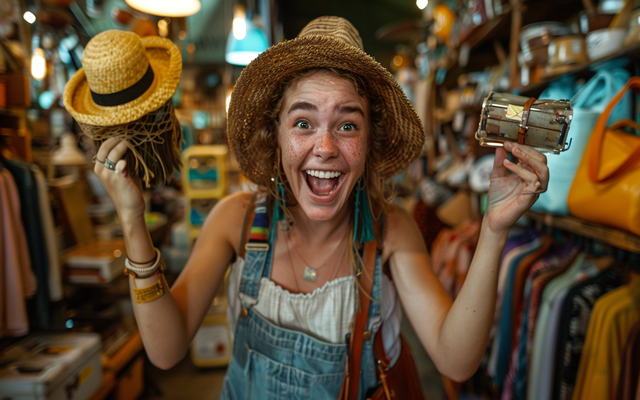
x=510 y=195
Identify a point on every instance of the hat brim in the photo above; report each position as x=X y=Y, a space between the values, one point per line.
x=258 y=82
x=166 y=63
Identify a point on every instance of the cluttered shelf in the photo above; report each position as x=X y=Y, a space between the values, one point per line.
x=537 y=87
x=611 y=236
x=114 y=365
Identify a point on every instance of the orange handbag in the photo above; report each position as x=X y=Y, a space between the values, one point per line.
x=606 y=188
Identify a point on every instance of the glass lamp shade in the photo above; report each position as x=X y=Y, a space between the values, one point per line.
x=242 y=52
x=166 y=8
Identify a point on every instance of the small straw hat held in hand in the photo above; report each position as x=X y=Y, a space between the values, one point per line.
x=123 y=77
x=326 y=42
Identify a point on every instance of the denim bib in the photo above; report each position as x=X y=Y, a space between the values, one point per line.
x=270 y=362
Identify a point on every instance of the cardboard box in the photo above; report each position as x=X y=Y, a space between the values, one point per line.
x=51 y=366
x=16 y=90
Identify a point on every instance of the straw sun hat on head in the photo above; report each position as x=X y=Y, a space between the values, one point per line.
x=326 y=42
x=123 y=77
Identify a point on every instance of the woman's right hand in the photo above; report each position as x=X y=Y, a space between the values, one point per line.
x=125 y=191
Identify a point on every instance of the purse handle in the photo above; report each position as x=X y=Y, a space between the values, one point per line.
x=598 y=135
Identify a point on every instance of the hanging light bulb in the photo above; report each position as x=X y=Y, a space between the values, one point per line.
x=422 y=4
x=239 y=27
x=29 y=17
x=38 y=64
x=166 y=8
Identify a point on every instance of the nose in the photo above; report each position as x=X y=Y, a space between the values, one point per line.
x=325 y=146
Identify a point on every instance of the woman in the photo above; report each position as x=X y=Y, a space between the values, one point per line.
x=321 y=125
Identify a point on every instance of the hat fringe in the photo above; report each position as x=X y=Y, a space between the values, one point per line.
x=153 y=142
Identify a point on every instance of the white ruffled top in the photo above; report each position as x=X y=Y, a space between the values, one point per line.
x=325 y=314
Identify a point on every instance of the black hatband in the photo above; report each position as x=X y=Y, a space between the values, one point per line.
x=124 y=96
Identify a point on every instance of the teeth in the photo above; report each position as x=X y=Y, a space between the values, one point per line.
x=324 y=174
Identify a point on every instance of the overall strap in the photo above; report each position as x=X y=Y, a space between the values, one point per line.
x=256 y=247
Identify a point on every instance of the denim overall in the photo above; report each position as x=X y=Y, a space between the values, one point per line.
x=270 y=362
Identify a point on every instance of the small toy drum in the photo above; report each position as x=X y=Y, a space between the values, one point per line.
x=543 y=124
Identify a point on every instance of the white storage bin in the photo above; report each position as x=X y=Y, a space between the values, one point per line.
x=52 y=367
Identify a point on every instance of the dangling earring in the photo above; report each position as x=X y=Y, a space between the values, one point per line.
x=279 y=210
x=363 y=220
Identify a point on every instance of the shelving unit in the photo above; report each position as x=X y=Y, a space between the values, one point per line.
x=611 y=236
x=580 y=70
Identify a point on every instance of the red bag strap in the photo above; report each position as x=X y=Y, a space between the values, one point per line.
x=351 y=383
x=598 y=135
x=354 y=359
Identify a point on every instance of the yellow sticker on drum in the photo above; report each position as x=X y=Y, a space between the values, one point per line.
x=514 y=112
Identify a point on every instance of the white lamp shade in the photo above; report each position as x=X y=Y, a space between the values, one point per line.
x=242 y=52
x=166 y=8
x=68 y=153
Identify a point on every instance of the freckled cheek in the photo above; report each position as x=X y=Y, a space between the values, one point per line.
x=355 y=152
x=293 y=153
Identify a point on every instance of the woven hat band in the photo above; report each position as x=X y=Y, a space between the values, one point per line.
x=126 y=95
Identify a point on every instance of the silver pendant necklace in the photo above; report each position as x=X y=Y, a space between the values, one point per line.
x=309 y=274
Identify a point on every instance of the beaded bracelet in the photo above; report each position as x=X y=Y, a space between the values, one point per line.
x=148 y=271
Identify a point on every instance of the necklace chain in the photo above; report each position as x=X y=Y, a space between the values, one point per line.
x=309 y=273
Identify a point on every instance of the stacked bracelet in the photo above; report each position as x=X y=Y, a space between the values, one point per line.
x=144 y=272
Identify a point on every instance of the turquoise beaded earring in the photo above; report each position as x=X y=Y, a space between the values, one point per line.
x=363 y=220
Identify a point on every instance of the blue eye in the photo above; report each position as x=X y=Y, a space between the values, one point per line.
x=348 y=127
x=302 y=124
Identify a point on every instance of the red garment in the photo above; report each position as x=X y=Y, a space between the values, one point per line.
x=17 y=280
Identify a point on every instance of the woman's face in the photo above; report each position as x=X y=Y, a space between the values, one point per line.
x=323 y=134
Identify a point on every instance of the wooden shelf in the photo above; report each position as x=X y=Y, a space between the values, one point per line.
x=611 y=236
x=496 y=28
x=631 y=51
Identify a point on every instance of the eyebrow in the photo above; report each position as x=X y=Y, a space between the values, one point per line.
x=349 y=109
x=306 y=106
x=301 y=105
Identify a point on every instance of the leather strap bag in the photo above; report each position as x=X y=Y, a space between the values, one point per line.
x=606 y=188
x=399 y=381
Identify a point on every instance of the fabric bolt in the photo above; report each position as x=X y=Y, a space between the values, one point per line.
x=600 y=364
x=31 y=219
x=506 y=321
x=17 y=281
x=509 y=263
x=53 y=258
x=573 y=325
x=630 y=371
x=543 y=294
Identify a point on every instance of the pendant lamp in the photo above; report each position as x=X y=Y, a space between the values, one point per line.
x=243 y=51
x=166 y=8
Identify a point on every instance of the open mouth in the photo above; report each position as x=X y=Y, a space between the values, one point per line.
x=323 y=183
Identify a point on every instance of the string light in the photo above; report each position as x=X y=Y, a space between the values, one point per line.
x=422 y=4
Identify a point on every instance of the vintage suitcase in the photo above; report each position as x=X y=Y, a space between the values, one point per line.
x=543 y=124
x=52 y=367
